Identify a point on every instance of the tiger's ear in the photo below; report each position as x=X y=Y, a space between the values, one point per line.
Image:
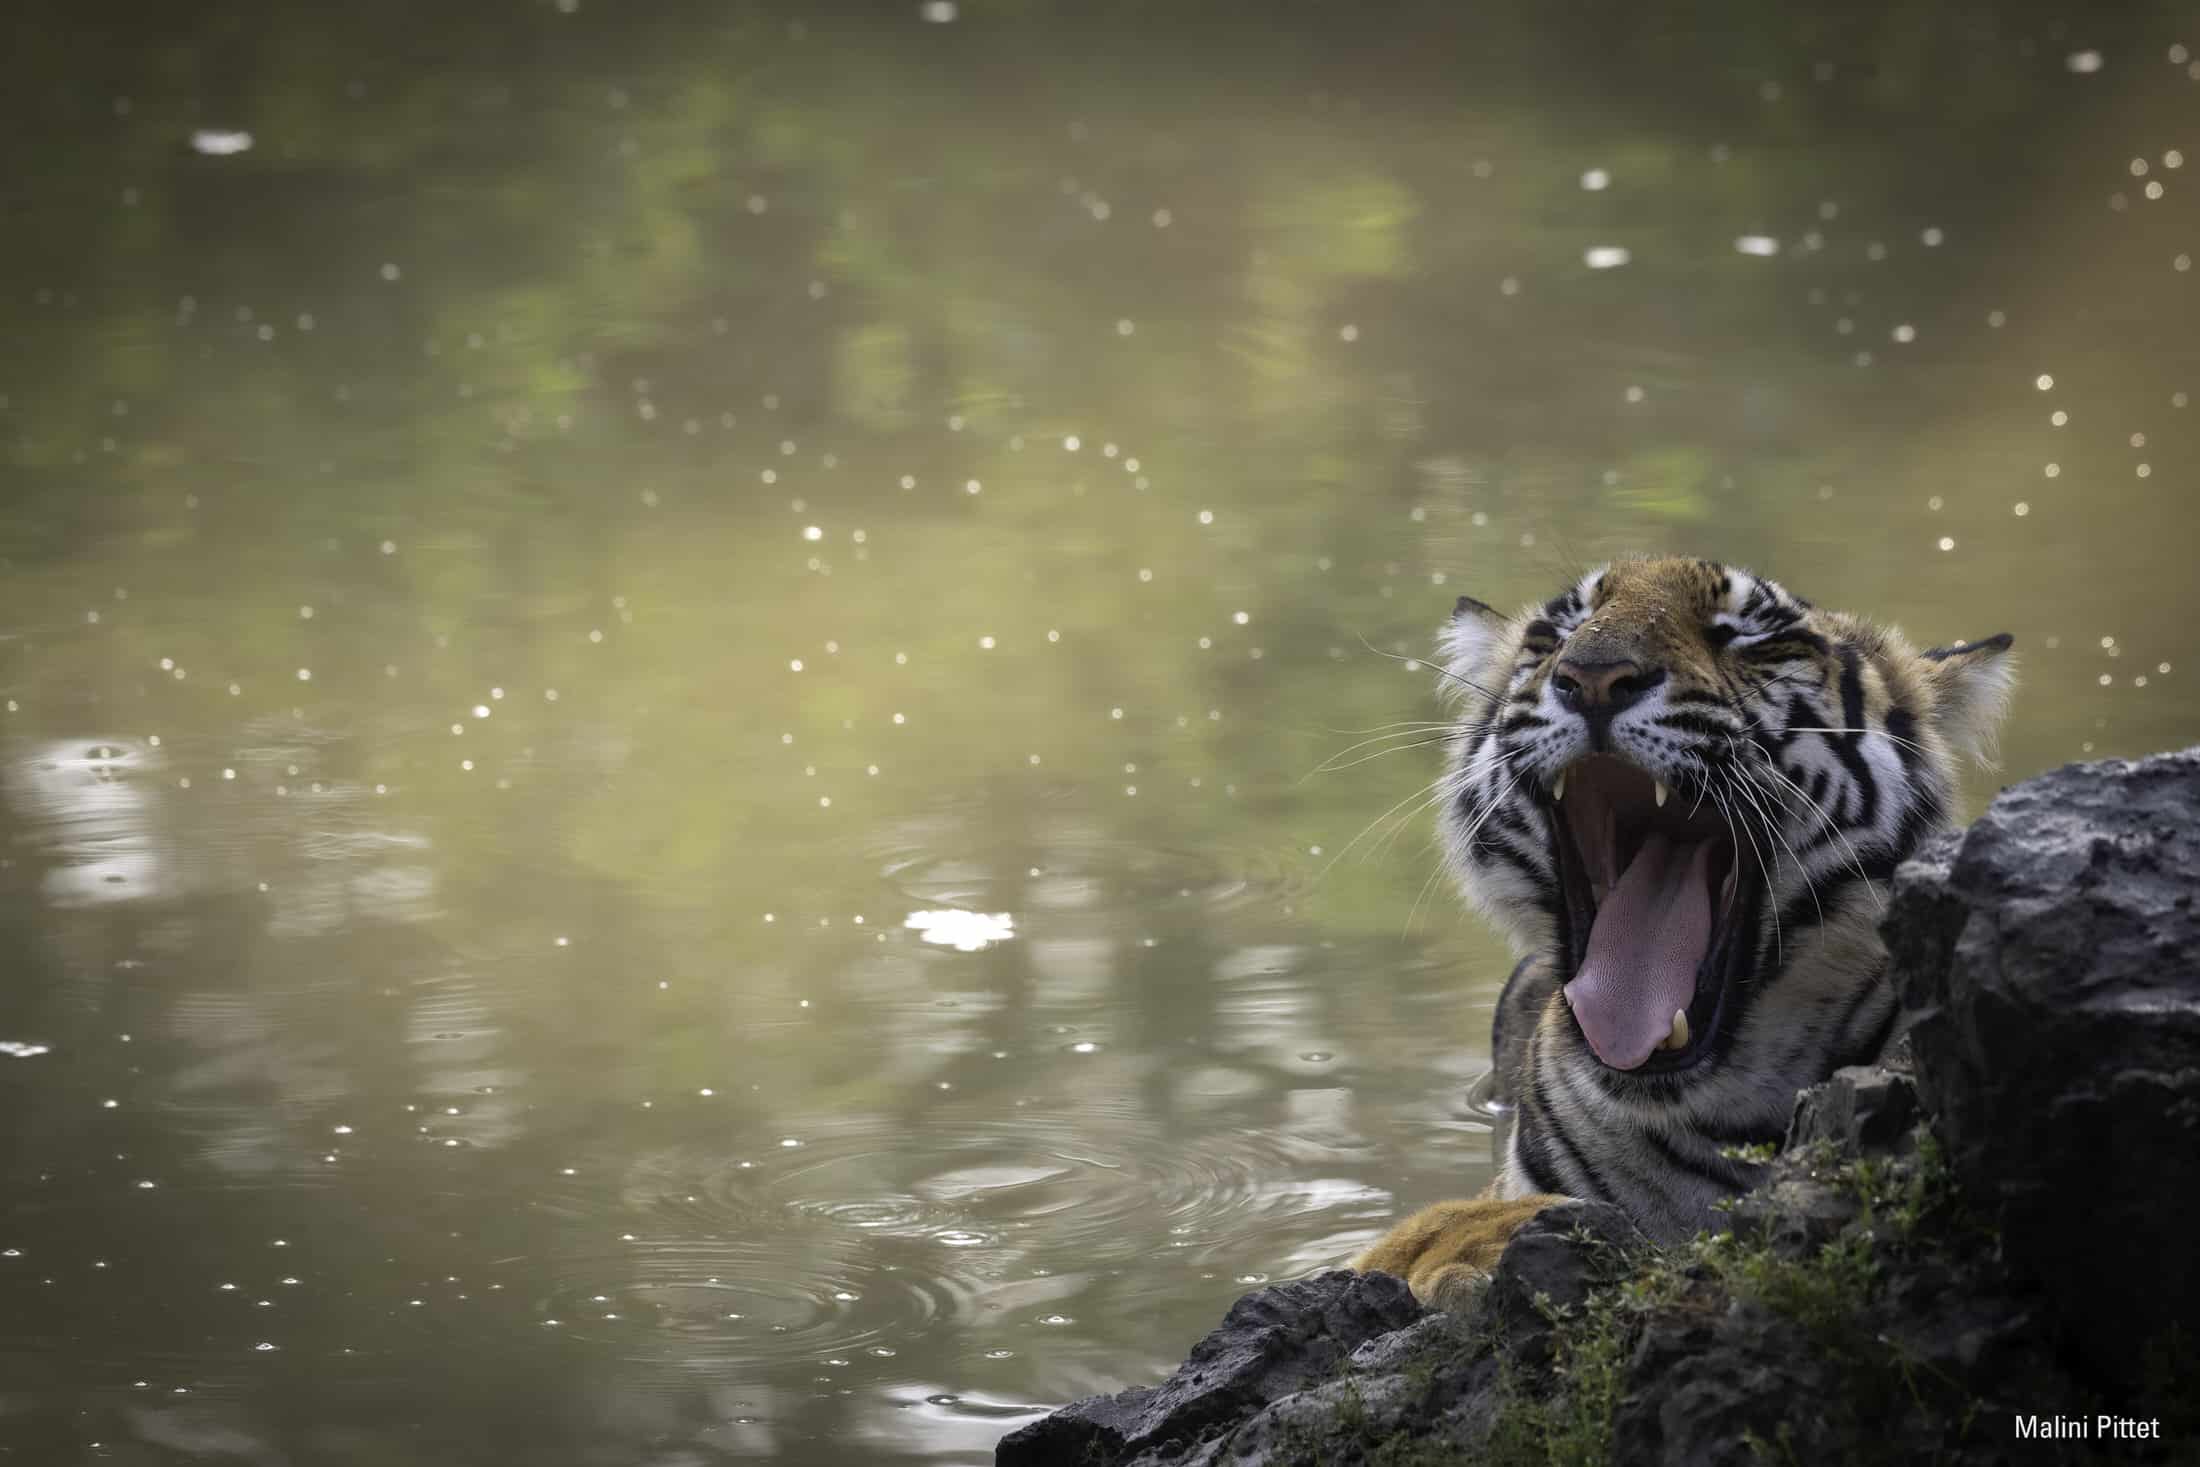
x=1971 y=684
x=1467 y=638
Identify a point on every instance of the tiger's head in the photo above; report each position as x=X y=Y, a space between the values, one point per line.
x=1688 y=788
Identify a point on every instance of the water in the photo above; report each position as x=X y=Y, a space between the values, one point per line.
x=682 y=768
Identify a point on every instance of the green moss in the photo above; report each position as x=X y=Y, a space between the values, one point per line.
x=1908 y=1206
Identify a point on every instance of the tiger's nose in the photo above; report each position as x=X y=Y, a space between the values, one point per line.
x=1602 y=688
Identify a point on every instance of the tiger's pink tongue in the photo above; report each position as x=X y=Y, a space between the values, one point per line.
x=1649 y=938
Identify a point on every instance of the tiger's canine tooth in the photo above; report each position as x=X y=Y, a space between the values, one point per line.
x=1678 y=1038
x=1658 y=785
x=1558 y=786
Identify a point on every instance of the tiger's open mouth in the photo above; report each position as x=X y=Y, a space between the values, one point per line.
x=1658 y=907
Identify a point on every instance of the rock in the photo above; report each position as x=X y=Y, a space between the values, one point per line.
x=1922 y=920
x=1313 y=1370
x=1551 y=1264
x=2052 y=961
x=1273 y=1342
x=1703 y=1382
x=1861 y=1106
x=1431 y=1382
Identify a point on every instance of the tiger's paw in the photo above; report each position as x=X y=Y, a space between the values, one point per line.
x=1445 y=1251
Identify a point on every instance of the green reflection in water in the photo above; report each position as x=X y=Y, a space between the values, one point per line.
x=523 y=579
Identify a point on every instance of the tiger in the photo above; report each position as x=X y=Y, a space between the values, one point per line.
x=1679 y=790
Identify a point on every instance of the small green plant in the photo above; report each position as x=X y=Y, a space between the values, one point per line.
x=1567 y=1422
x=1780 y=1450
x=1827 y=1293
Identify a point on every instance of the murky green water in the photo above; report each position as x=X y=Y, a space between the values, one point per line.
x=526 y=581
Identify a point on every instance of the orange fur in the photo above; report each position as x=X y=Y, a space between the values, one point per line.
x=1443 y=1250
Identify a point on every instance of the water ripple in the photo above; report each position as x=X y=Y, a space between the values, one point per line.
x=856 y=1240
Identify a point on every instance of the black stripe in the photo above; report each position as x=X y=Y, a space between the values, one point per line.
x=1812 y=905
x=1488 y=846
x=1508 y=820
x=1785 y=645
x=1852 y=688
x=1925 y=815
x=1546 y=892
x=1870 y=1051
x=1694 y=723
x=1593 y=1184
x=1849 y=747
x=1902 y=728
x=1864 y=994
x=1532 y=1164
x=1725 y=1173
x=1870 y=863
x=1999 y=642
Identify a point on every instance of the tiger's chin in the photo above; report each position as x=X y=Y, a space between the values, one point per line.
x=1661 y=889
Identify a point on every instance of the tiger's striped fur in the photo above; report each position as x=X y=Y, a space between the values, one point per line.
x=1828 y=748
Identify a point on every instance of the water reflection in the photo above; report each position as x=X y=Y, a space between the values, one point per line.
x=965 y=932
x=90 y=795
x=677 y=776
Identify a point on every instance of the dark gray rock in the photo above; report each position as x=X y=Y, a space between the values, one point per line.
x=1704 y=1381
x=1922 y=921
x=1432 y=1382
x=2053 y=968
x=1550 y=1265
x=1273 y=1342
x=1861 y=1106
x=1314 y=1371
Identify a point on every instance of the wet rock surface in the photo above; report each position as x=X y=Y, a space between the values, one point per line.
x=1994 y=1224
x=1274 y=1343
